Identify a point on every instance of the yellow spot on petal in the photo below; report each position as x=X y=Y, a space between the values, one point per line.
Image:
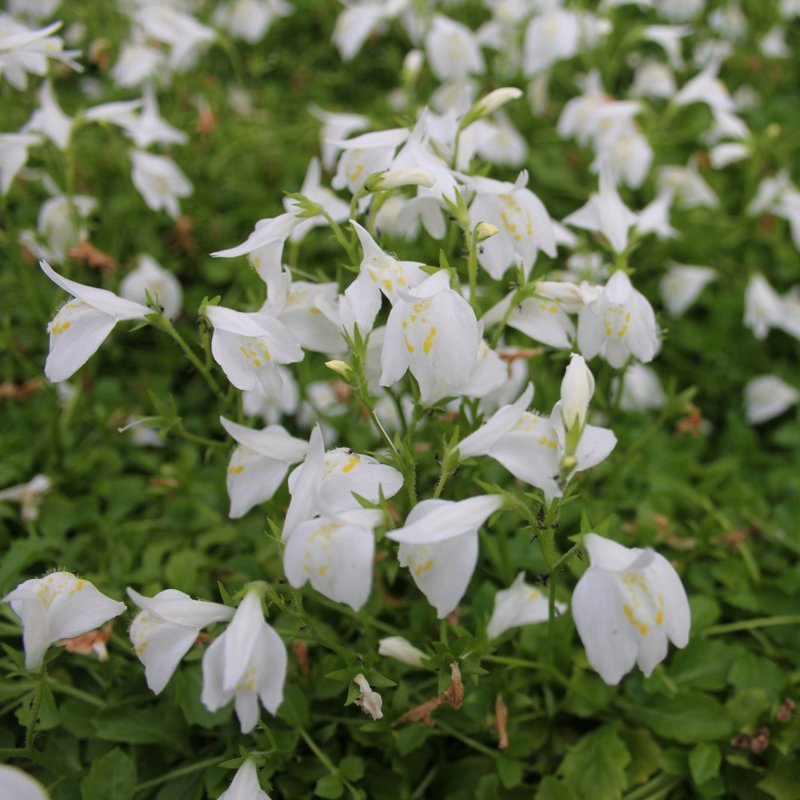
x=236 y=470
x=428 y=343
x=423 y=567
x=351 y=463
x=640 y=626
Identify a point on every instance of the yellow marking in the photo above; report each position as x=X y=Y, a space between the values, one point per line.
x=350 y=465
x=640 y=626
x=409 y=346
x=322 y=570
x=236 y=470
x=387 y=285
x=59 y=327
x=423 y=567
x=545 y=442
x=428 y=343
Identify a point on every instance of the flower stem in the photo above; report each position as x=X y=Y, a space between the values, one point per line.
x=325 y=761
x=179 y=773
x=165 y=325
x=35 y=708
x=753 y=624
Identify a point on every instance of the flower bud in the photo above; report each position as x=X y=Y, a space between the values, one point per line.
x=395 y=178
x=341 y=368
x=412 y=65
x=402 y=650
x=577 y=388
x=490 y=103
x=485 y=230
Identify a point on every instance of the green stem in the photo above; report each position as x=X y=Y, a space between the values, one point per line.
x=179 y=773
x=165 y=325
x=510 y=661
x=325 y=761
x=35 y=708
x=340 y=237
x=63 y=688
x=657 y=787
x=753 y=624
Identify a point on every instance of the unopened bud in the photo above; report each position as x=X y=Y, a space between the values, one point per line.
x=341 y=368
x=412 y=65
x=485 y=230
x=577 y=388
x=369 y=700
x=490 y=103
x=401 y=649
x=395 y=178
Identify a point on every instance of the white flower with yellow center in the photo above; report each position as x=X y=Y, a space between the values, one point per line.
x=150 y=278
x=245 y=664
x=82 y=324
x=159 y=181
x=259 y=464
x=618 y=323
x=335 y=554
x=432 y=331
x=364 y=155
x=520 y=604
x=58 y=606
x=626 y=607
x=166 y=627
x=323 y=485
x=453 y=50
x=379 y=273
x=522 y=220
x=250 y=346
x=439 y=545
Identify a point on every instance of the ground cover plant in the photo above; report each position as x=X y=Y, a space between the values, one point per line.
x=399 y=399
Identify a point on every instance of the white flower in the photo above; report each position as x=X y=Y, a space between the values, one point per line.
x=453 y=51
x=605 y=213
x=364 y=155
x=399 y=177
x=551 y=36
x=626 y=606
x=18 y=785
x=325 y=482
x=59 y=223
x=249 y=346
x=250 y=19
x=577 y=388
x=336 y=209
x=259 y=464
x=401 y=650
x=24 y=50
x=246 y=664
x=138 y=62
x=369 y=701
x=13 y=155
x=727 y=153
x=159 y=181
x=335 y=553
x=180 y=31
x=149 y=127
x=166 y=628
x=763 y=307
x=690 y=190
x=532 y=447
x=336 y=126
x=150 y=278
x=520 y=604
x=82 y=324
x=439 y=545
x=28 y=495
x=641 y=389
x=49 y=119
x=58 y=606
x=682 y=285
x=264 y=246
x=433 y=332
x=618 y=323
x=244 y=785
x=524 y=225
x=496 y=99
x=378 y=273
x=767 y=397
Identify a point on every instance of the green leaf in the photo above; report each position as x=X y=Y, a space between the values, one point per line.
x=644 y=753
x=752 y=672
x=595 y=766
x=294 y=708
x=552 y=788
x=781 y=782
x=704 y=762
x=329 y=786
x=140 y=725
x=352 y=768
x=411 y=737
x=510 y=772
x=688 y=718
x=587 y=694
x=112 y=777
